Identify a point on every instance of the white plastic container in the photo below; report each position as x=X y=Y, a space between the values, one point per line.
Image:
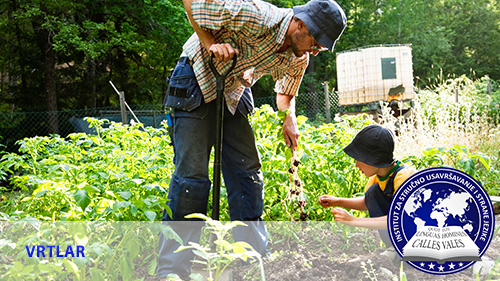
x=366 y=74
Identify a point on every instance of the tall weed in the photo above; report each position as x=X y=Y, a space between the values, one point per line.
x=453 y=123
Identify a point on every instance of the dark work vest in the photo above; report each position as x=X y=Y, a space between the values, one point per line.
x=378 y=201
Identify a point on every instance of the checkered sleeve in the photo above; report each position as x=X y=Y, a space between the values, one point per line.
x=290 y=82
x=235 y=15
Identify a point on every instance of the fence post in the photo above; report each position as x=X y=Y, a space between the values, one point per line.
x=327 y=102
x=123 y=110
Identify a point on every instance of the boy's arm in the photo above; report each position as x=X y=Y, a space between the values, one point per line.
x=357 y=203
x=344 y=217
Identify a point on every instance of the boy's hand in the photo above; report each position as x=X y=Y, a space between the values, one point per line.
x=328 y=201
x=341 y=215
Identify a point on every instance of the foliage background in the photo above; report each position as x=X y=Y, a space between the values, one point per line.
x=123 y=172
x=60 y=54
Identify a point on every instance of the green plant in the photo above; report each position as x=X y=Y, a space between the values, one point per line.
x=123 y=172
x=119 y=174
x=475 y=164
x=369 y=243
x=112 y=250
x=402 y=274
x=325 y=168
x=217 y=260
x=369 y=270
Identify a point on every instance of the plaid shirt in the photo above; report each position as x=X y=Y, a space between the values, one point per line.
x=257 y=29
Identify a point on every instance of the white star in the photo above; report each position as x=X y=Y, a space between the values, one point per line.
x=460 y=264
x=441 y=268
x=452 y=266
x=422 y=264
x=431 y=266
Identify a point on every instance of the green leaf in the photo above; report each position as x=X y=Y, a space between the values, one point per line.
x=71 y=267
x=201 y=254
x=133 y=209
x=18 y=266
x=121 y=204
x=301 y=120
x=96 y=274
x=91 y=189
x=137 y=181
x=169 y=233
x=485 y=161
x=27 y=269
x=196 y=277
x=125 y=194
x=126 y=268
x=288 y=154
x=167 y=209
x=41 y=193
x=9 y=243
x=82 y=198
x=152 y=267
x=198 y=216
x=150 y=215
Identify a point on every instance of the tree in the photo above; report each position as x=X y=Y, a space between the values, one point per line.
x=65 y=52
x=475 y=36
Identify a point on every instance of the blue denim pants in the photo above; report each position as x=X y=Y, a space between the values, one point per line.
x=193 y=139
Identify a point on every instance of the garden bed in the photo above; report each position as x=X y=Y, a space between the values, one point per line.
x=316 y=254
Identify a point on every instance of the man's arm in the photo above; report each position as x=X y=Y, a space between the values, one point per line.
x=290 y=129
x=223 y=52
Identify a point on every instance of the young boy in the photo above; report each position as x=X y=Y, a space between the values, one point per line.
x=373 y=149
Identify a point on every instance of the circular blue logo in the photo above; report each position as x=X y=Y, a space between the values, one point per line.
x=441 y=220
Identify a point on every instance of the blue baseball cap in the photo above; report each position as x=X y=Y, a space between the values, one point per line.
x=325 y=20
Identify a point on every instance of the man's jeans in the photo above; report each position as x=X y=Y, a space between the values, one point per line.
x=194 y=136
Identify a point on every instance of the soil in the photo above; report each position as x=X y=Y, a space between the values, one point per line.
x=316 y=254
x=321 y=251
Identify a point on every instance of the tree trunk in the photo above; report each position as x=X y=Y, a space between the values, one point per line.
x=92 y=74
x=50 y=82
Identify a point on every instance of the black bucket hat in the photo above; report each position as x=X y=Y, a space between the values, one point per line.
x=324 y=19
x=373 y=145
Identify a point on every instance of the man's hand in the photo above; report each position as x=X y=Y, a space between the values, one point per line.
x=223 y=52
x=328 y=201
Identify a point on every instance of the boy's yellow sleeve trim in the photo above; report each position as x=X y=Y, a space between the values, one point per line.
x=403 y=175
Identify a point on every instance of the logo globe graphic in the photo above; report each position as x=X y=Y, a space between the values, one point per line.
x=441 y=206
x=446 y=215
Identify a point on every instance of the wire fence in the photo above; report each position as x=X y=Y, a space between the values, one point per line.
x=18 y=125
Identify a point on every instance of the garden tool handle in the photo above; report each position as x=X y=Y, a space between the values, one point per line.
x=221 y=77
x=220 y=80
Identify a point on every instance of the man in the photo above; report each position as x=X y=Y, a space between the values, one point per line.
x=266 y=40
